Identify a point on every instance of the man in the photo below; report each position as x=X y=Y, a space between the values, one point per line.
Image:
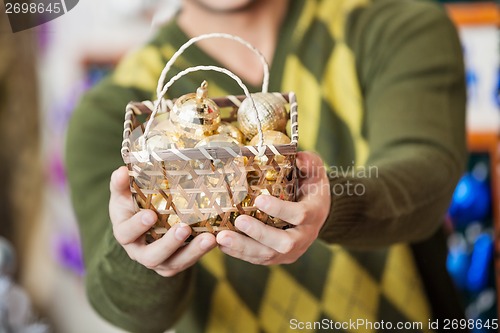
x=379 y=84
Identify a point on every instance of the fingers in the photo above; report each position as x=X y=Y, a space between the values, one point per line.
x=188 y=255
x=291 y=212
x=131 y=229
x=245 y=248
x=154 y=254
x=169 y=255
x=279 y=240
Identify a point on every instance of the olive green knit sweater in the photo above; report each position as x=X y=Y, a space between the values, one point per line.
x=380 y=84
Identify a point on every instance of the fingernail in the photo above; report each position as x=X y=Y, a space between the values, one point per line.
x=148 y=219
x=262 y=202
x=182 y=232
x=242 y=224
x=226 y=241
x=205 y=244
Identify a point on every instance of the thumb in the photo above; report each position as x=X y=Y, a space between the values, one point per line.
x=121 y=206
x=310 y=166
x=119 y=184
x=313 y=180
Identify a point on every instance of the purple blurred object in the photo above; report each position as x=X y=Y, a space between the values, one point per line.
x=69 y=253
x=56 y=170
x=43 y=33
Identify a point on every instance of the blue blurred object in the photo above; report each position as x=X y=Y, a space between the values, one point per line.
x=497 y=93
x=470 y=202
x=457 y=264
x=457 y=261
x=479 y=270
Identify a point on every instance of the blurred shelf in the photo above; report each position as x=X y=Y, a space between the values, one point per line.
x=489 y=142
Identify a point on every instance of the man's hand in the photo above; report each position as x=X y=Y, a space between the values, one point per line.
x=167 y=256
x=267 y=245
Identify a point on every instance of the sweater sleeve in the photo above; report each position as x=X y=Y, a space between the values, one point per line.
x=120 y=290
x=410 y=68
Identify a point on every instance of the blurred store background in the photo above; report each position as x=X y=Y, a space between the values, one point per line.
x=59 y=60
x=67 y=56
x=474 y=215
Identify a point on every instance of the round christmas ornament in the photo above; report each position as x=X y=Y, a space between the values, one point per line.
x=231 y=130
x=271 y=112
x=162 y=123
x=271 y=138
x=470 y=202
x=218 y=140
x=195 y=116
x=159 y=140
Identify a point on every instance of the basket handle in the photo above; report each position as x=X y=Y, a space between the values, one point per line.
x=157 y=103
x=265 y=81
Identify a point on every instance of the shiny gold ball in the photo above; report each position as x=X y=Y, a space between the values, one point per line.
x=195 y=116
x=289 y=128
x=271 y=112
x=159 y=140
x=218 y=140
x=226 y=128
x=162 y=122
x=271 y=138
x=173 y=219
x=159 y=202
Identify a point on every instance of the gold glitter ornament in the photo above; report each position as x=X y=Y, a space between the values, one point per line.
x=155 y=140
x=289 y=128
x=271 y=112
x=195 y=116
x=159 y=202
x=212 y=179
x=271 y=138
x=231 y=130
x=218 y=140
x=160 y=140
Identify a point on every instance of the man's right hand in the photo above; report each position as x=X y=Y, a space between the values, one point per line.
x=168 y=255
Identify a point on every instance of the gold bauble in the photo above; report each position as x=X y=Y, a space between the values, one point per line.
x=231 y=130
x=271 y=138
x=162 y=122
x=213 y=178
x=289 y=128
x=218 y=140
x=159 y=202
x=144 y=146
x=160 y=140
x=195 y=116
x=271 y=112
x=179 y=202
x=173 y=219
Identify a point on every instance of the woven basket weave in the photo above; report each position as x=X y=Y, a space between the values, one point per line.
x=207 y=187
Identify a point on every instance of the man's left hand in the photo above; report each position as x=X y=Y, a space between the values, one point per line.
x=266 y=245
